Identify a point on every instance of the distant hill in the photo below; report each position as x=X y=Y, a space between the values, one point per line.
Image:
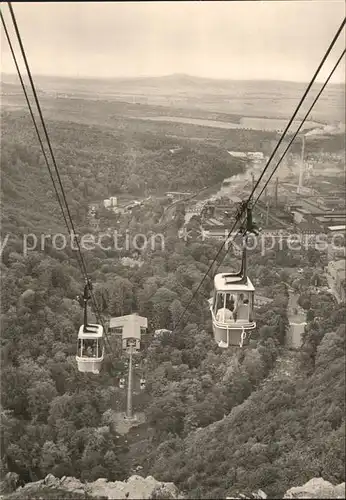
x=178 y=80
x=272 y=99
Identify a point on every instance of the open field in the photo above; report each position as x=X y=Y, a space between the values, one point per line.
x=183 y=96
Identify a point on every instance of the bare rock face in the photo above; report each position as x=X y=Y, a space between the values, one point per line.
x=136 y=487
x=258 y=494
x=317 y=488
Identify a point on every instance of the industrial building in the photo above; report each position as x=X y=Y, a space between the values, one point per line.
x=110 y=203
x=251 y=155
x=336 y=277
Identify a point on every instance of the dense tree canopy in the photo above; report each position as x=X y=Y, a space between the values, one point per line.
x=217 y=421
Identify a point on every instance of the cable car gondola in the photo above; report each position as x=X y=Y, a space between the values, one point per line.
x=90 y=348
x=232 y=304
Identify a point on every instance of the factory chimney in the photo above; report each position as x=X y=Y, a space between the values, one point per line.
x=301 y=168
x=253 y=180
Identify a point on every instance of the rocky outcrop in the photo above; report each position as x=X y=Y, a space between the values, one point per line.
x=317 y=488
x=259 y=494
x=135 y=487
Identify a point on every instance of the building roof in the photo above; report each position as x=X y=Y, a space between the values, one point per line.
x=311 y=207
x=307 y=227
x=131 y=324
x=177 y=193
x=256 y=153
x=222 y=233
x=237 y=154
x=302 y=210
x=132 y=318
x=337 y=228
x=214 y=222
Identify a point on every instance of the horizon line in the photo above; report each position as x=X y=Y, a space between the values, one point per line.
x=217 y=79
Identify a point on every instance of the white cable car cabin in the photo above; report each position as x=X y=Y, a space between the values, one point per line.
x=90 y=348
x=90 y=351
x=232 y=307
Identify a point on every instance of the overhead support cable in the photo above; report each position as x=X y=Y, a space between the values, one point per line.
x=80 y=258
x=302 y=123
x=247 y=203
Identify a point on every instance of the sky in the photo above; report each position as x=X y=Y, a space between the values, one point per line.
x=263 y=39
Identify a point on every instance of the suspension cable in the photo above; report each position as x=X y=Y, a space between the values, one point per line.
x=238 y=218
x=300 y=126
x=307 y=90
x=45 y=130
x=33 y=117
x=246 y=204
x=80 y=260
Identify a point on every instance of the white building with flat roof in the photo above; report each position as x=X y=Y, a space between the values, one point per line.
x=337 y=229
x=237 y=154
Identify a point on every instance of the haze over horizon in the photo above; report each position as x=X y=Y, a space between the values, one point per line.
x=153 y=77
x=217 y=40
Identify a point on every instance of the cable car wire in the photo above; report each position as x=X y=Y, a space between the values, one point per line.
x=307 y=90
x=300 y=126
x=33 y=117
x=45 y=130
x=246 y=204
x=36 y=128
x=302 y=99
x=238 y=218
x=81 y=260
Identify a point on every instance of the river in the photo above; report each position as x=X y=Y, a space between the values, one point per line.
x=248 y=122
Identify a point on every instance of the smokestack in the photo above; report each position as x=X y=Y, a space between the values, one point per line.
x=276 y=191
x=301 y=169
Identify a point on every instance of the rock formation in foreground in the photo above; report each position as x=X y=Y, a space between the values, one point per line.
x=135 y=487
x=317 y=488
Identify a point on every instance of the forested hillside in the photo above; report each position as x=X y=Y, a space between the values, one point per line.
x=290 y=430
x=217 y=422
x=96 y=161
